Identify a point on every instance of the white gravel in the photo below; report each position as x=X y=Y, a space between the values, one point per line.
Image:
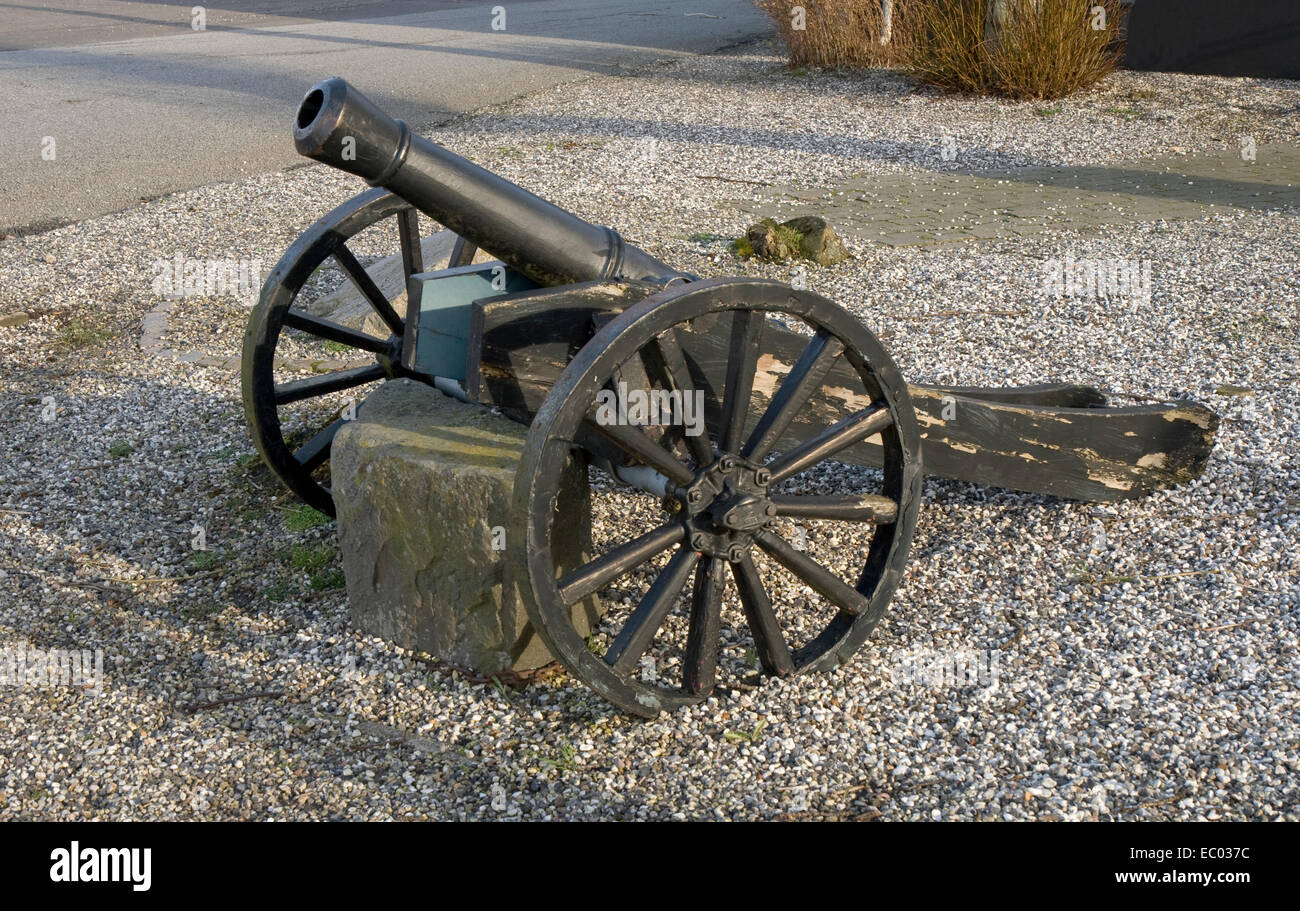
x=1146 y=652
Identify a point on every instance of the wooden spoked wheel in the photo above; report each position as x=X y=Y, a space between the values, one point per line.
x=293 y=408
x=716 y=508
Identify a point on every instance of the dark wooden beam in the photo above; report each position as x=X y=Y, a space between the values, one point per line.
x=1054 y=438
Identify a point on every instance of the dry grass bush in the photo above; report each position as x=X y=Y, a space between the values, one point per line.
x=1020 y=48
x=835 y=33
x=1052 y=50
x=1038 y=49
x=947 y=47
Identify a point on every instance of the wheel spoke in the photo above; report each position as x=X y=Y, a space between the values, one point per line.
x=769 y=642
x=327 y=329
x=325 y=383
x=594 y=576
x=462 y=253
x=633 y=441
x=666 y=358
x=746 y=335
x=316 y=450
x=366 y=285
x=640 y=629
x=408 y=235
x=818 y=578
x=864 y=508
x=805 y=377
x=853 y=429
x=700 y=663
x=774 y=400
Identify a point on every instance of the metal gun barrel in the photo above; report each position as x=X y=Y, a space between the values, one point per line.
x=343 y=128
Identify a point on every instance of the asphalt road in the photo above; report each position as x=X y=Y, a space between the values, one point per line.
x=106 y=103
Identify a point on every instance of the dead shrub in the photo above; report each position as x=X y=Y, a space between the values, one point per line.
x=1050 y=48
x=947 y=45
x=837 y=33
x=1019 y=48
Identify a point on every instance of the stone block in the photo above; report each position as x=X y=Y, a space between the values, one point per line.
x=423 y=484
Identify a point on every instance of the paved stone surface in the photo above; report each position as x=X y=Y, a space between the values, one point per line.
x=964 y=205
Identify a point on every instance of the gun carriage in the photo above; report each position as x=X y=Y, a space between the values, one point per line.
x=570 y=317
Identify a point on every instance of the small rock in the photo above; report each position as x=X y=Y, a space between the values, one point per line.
x=805 y=237
x=818 y=240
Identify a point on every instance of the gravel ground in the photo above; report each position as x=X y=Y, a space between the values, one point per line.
x=1145 y=653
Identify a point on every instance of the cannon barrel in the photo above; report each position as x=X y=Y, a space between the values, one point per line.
x=343 y=128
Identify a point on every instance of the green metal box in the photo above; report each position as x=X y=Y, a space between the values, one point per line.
x=439 y=326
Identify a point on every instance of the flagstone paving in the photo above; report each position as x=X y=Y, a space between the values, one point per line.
x=964 y=205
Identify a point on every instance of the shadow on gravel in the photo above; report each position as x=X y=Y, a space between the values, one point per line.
x=1189 y=185
x=846 y=146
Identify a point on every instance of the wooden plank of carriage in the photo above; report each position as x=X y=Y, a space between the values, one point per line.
x=1052 y=439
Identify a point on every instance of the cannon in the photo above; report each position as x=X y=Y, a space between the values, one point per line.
x=723 y=412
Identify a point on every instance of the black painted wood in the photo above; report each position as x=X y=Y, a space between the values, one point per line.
x=1056 y=439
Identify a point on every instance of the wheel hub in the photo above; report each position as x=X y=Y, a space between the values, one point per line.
x=726 y=506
